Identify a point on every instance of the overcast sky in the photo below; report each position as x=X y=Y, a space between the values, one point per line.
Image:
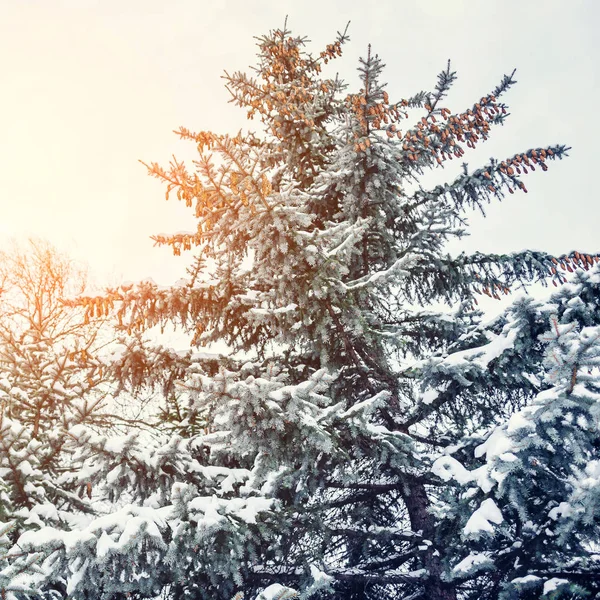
x=90 y=87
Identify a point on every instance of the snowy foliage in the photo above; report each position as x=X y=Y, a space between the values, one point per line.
x=357 y=442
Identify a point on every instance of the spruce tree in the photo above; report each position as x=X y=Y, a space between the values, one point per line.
x=344 y=449
x=51 y=377
x=527 y=505
x=51 y=381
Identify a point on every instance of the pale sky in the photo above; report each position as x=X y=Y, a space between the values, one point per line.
x=90 y=87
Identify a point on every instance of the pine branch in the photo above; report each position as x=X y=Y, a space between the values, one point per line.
x=351 y=576
x=473 y=190
x=430 y=144
x=383 y=532
x=459 y=278
x=445 y=81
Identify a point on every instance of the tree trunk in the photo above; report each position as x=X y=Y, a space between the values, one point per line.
x=417 y=504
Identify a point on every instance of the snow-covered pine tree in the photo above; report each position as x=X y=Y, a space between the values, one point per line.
x=50 y=381
x=325 y=259
x=17 y=569
x=527 y=506
x=68 y=528
x=50 y=378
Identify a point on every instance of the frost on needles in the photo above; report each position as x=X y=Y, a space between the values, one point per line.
x=358 y=441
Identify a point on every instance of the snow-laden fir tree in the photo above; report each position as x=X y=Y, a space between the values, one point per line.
x=73 y=493
x=50 y=376
x=346 y=447
x=527 y=505
x=51 y=381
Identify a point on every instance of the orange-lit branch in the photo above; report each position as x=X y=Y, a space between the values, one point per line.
x=507 y=171
x=146 y=305
x=232 y=190
x=180 y=241
x=376 y=116
x=289 y=83
x=431 y=142
x=227 y=146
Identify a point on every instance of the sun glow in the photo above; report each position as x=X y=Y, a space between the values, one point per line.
x=73 y=126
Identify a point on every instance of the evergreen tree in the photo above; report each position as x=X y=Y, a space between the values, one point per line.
x=51 y=377
x=334 y=452
x=51 y=380
x=528 y=501
x=14 y=567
